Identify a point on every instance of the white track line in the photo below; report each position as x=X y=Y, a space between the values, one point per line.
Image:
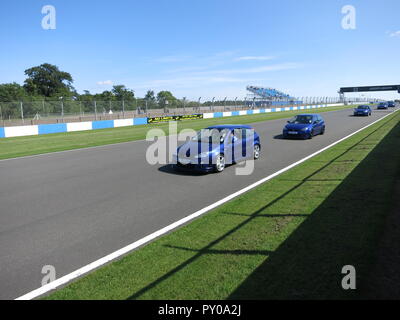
x=98 y=263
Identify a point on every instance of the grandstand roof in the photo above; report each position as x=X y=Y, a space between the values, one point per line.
x=268 y=93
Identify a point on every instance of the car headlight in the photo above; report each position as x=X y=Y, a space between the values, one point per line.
x=305 y=129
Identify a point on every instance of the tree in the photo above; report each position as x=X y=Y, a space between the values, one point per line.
x=150 y=96
x=165 y=98
x=48 y=80
x=10 y=95
x=105 y=96
x=122 y=93
x=104 y=100
x=12 y=92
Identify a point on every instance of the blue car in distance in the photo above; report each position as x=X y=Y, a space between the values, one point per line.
x=383 y=105
x=215 y=147
x=363 y=111
x=391 y=104
x=304 y=126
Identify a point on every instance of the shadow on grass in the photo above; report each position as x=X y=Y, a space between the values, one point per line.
x=342 y=231
x=289 y=215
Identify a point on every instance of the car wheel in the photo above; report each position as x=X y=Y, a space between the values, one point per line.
x=311 y=134
x=256 y=151
x=220 y=164
x=323 y=130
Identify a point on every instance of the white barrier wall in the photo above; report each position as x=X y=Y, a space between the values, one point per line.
x=79 y=126
x=19 y=131
x=123 y=123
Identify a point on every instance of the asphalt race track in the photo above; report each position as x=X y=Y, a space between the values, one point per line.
x=71 y=208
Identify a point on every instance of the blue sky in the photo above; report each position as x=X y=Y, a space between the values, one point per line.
x=206 y=48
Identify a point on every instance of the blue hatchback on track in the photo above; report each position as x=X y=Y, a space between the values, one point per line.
x=383 y=105
x=213 y=148
x=363 y=111
x=304 y=126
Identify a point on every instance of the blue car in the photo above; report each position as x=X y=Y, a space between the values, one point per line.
x=391 y=104
x=362 y=111
x=215 y=147
x=383 y=105
x=304 y=126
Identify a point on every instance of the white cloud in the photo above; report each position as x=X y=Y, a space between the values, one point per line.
x=254 y=58
x=192 y=87
x=105 y=83
x=395 y=34
x=191 y=82
x=268 y=68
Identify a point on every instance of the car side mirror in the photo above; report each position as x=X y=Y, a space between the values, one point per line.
x=288 y=121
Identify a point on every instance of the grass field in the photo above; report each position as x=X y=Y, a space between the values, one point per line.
x=287 y=239
x=31 y=145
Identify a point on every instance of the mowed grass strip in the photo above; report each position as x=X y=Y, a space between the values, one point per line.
x=31 y=145
x=287 y=239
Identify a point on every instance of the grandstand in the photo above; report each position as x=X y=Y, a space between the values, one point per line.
x=264 y=97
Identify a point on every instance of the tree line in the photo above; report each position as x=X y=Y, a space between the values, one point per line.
x=46 y=86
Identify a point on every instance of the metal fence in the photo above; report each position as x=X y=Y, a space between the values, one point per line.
x=41 y=112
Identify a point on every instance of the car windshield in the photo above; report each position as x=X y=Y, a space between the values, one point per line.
x=302 y=119
x=363 y=107
x=216 y=135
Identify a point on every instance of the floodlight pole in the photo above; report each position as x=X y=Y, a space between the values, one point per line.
x=22 y=112
x=95 y=110
x=62 y=109
x=166 y=106
x=1 y=116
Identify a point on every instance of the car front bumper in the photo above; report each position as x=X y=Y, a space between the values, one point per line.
x=298 y=134
x=193 y=164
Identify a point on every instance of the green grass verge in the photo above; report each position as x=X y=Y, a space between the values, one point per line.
x=287 y=239
x=31 y=145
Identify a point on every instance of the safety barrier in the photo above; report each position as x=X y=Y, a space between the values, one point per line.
x=20 y=131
